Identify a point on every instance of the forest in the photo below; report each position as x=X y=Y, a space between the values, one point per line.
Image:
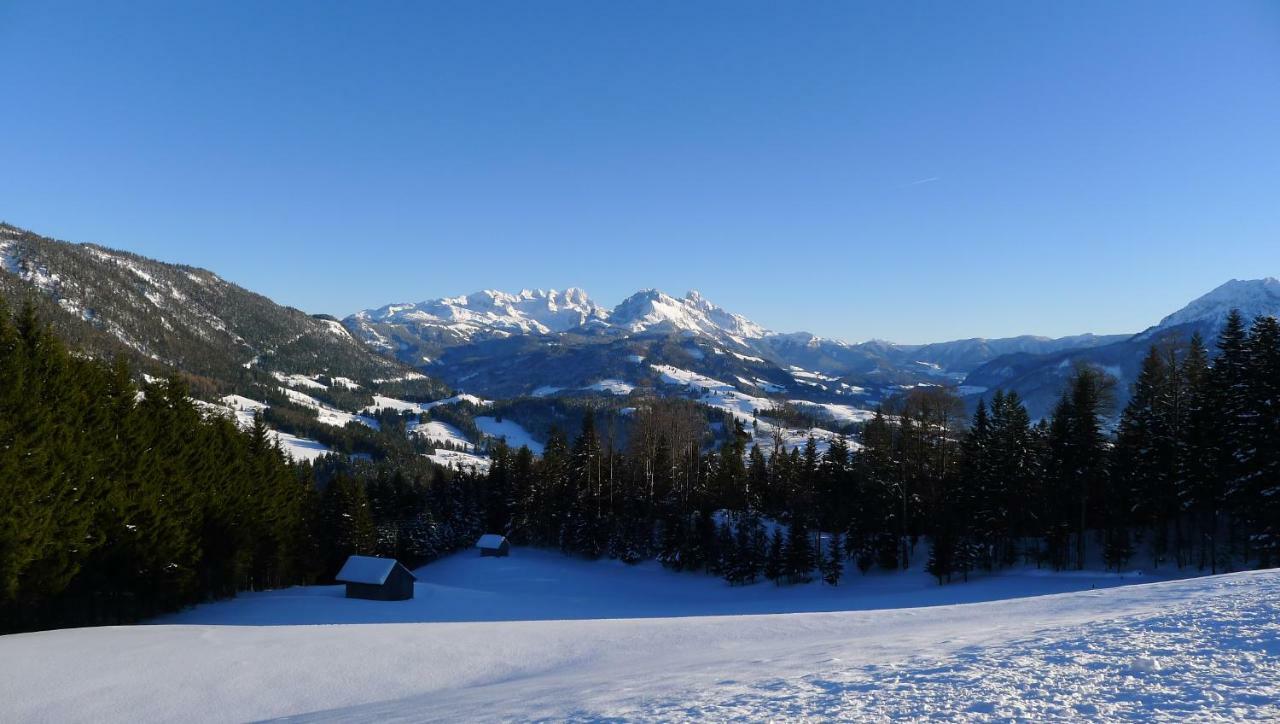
x=120 y=501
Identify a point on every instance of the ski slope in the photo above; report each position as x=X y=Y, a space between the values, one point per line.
x=1203 y=648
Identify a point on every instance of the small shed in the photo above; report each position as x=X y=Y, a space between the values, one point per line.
x=376 y=579
x=492 y=544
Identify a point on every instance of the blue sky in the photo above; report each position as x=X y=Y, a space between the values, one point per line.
x=907 y=171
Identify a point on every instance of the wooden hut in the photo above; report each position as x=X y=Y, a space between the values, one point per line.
x=492 y=544
x=376 y=579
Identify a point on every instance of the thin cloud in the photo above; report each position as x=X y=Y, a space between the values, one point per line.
x=919 y=182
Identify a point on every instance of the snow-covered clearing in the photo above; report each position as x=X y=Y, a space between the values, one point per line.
x=298 y=381
x=511 y=430
x=325 y=414
x=612 y=386
x=1204 y=648
x=381 y=402
x=842 y=414
x=724 y=396
x=460 y=460
x=440 y=432
x=244 y=409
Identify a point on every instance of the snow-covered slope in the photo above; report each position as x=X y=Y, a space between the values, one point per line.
x=1198 y=649
x=481 y=315
x=549 y=343
x=1253 y=297
x=653 y=311
x=102 y=301
x=1038 y=378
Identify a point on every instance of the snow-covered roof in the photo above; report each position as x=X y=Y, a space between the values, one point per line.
x=490 y=541
x=366 y=569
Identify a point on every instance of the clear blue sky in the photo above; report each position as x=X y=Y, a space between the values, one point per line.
x=909 y=171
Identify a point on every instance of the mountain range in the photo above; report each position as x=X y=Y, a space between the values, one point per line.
x=544 y=343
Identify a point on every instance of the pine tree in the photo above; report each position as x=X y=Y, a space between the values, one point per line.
x=1259 y=489
x=833 y=561
x=775 y=562
x=800 y=556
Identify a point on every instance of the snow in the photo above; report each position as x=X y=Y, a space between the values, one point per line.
x=366 y=569
x=325 y=414
x=724 y=396
x=381 y=402
x=460 y=460
x=298 y=381
x=1252 y=297
x=336 y=329
x=545 y=391
x=490 y=541
x=440 y=433
x=540 y=636
x=402 y=378
x=512 y=431
x=652 y=310
x=493 y=312
x=612 y=386
x=843 y=414
x=300 y=448
x=244 y=409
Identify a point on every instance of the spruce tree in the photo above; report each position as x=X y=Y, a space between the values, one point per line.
x=775 y=562
x=800 y=555
x=833 y=561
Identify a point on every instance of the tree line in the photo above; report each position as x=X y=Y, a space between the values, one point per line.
x=1189 y=477
x=121 y=501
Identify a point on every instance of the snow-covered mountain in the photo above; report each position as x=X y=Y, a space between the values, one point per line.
x=485 y=315
x=1253 y=297
x=651 y=311
x=1039 y=378
x=501 y=344
x=169 y=316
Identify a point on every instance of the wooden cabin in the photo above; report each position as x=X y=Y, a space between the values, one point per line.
x=376 y=579
x=492 y=544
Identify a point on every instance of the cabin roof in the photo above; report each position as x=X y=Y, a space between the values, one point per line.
x=490 y=541
x=367 y=569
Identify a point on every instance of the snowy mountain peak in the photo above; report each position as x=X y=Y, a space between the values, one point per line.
x=1253 y=297
x=530 y=311
x=651 y=310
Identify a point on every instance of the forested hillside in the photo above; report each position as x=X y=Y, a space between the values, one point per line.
x=1191 y=479
x=167 y=316
x=118 y=502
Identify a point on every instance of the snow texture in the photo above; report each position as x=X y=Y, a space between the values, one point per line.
x=1199 y=649
x=325 y=414
x=527 y=312
x=514 y=434
x=366 y=569
x=440 y=433
x=745 y=408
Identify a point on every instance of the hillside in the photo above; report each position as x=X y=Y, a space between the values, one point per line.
x=1039 y=378
x=1188 y=649
x=173 y=316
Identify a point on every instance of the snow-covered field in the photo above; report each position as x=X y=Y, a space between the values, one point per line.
x=510 y=430
x=537 y=636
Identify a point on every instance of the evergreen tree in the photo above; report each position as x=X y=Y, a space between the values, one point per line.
x=775 y=562
x=800 y=558
x=833 y=561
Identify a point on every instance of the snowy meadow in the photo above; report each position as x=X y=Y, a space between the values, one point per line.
x=541 y=636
